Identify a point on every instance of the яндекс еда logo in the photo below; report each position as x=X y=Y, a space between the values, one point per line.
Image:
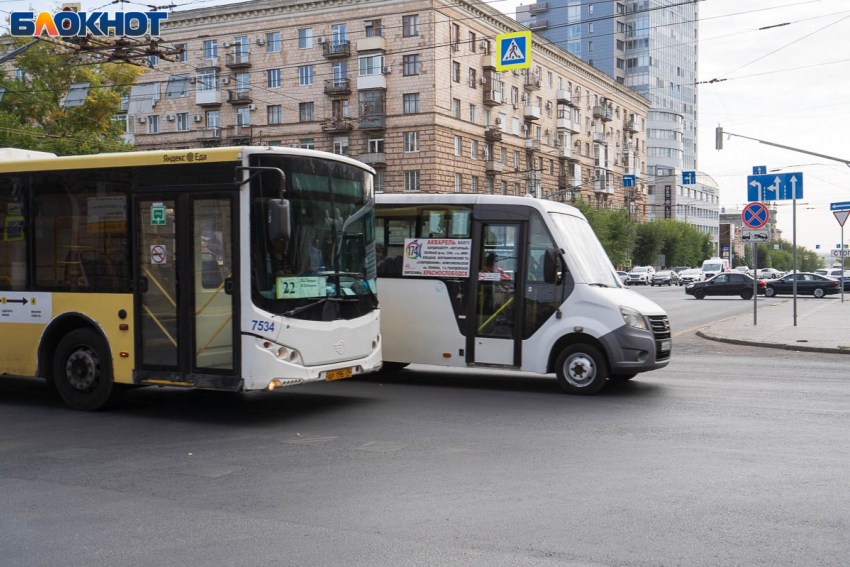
x=81 y=24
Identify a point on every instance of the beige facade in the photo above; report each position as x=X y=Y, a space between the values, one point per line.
x=423 y=96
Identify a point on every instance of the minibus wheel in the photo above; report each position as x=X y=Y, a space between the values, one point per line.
x=581 y=369
x=82 y=371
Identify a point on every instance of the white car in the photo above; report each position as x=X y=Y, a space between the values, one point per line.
x=622 y=276
x=769 y=274
x=691 y=276
x=640 y=275
x=742 y=270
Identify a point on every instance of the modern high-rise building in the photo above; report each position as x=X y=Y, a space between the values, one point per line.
x=647 y=45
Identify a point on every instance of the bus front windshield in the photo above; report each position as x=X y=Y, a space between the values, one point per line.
x=586 y=251
x=326 y=270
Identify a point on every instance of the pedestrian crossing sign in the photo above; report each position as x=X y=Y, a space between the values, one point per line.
x=513 y=51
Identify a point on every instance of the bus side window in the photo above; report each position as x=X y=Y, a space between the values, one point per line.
x=542 y=299
x=13 y=257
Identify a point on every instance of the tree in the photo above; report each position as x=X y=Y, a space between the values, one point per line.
x=31 y=113
x=614 y=230
x=680 y=243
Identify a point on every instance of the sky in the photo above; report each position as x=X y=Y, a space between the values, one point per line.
x=786 y=85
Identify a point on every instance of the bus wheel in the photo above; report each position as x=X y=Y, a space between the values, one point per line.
x=621 y=377
x=82 y=371
x=581 y=370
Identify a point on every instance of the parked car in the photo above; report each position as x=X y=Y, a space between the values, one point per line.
x=807 y=284
x=691 y=275
x=664 y=277
x=742 y=270
x=640 y=275
x=679 y=269
x=769 y=274
x=622 y=276
x=725 y=284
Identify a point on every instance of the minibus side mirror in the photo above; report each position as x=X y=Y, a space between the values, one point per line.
x=550 y=266
x=280 y=226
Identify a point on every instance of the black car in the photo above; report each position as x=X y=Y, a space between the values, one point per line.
x=725 y=284
x=807 y=284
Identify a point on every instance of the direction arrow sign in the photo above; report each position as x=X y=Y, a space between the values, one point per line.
x=759 y=169
x=628 y=181
x=689 y=177
x=513 y=51
x=841 y=216
x=839 y=206
x=774 y=187
x=755 y=215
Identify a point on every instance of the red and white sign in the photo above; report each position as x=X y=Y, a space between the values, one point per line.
x=841 y=216
x=755 y=215
x=158 y=255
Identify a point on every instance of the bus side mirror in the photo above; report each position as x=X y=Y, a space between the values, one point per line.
x=550 y=266
x=280 y=226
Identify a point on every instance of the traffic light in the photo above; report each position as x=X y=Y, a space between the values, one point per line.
x=718 y=138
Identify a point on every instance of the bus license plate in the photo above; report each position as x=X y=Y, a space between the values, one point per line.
x=338 y=374
x=666 y=345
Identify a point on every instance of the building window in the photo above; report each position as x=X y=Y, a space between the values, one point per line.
x=621 y=45
x=275 y=114
x=473 y=153
x=411 y=65
x=456 y=108
x=504 y=188
x=516 y=130
x=305 y=112
x=472 y=42
x=475 y=184
x=210 y=48
x=211 y=119
x=410 y=28
x=339 y=109
x=153 y=60
x=379 y=181
x=373 y=28
x=458 y=183
x=621 y=27
x=305 y=38
x=305 y=75
x=376 y=145
x=308 y=144
x=273 y=42
x=472 y=116
x=411 y=142
x=340 y=146
x=243 y=116
x=590 y=9
x=183 y=56
x=515 y=96
x=472 y=78
x=207 y=80
x=516 y=159
x=516 y=188
x=590 y=27
x=458 y=144
x=490 y=181
x=372 y=65
x=411 y=181
x=456 y=71
x=182 y=121
x=153 y=124
x=487 y=117
x=621 y=64
x=411 y=103
x=590 y=47
x=273 y=78
x=455 y=37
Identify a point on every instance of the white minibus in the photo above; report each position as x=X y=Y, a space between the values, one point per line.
x=511 y=283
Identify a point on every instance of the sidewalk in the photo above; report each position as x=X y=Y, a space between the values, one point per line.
x=823 y=325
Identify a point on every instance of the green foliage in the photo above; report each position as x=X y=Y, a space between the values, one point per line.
x=680 y=243
x=31 y=114
x=613 y=228
x=783 y=259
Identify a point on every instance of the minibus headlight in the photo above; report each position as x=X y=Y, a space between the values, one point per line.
x=633 y=318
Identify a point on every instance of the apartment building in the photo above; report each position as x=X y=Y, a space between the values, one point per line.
x=410 y=88
x=697 y=204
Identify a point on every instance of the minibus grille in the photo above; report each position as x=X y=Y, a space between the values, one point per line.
x=661 y=330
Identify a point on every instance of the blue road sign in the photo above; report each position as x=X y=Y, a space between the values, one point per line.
x=689 y=177
x=755 y=215
x=759 y=169
x=627 y=263
x=628 y=181
x=817 y=246
x=774 y=187
x=513 y=50
x=839 y=206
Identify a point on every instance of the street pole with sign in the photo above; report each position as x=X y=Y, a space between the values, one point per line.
x=755 y=216
x=841 y=212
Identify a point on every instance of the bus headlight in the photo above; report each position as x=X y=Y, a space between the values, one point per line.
x=633 y=318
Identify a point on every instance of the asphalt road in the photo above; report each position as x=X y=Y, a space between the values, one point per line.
x=729 y=456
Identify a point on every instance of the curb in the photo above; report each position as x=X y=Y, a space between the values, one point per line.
x=780 y=346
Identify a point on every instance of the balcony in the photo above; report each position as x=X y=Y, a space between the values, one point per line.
x=531 y=113
x=493 y=95
x=375 y=159
x=532 y=82
x=337 y=126
x=377 y=43
x=238 y=60
x=488 y=62
x=368 y=82
x=493 y=135
x=210 y=63
x=564 y=96
x=632 y=126
x=538 y=25
x=373 y=122
x=208 y=98
x=209 y=136
x=600 y=138
x=602 y=113
x=239 y=96
x=532 y=145
x=565 y=123
x=600 y=163
x=337 y=87
x=538 y=8
x=565 y=152
x=493 y=167
x=600 y=185
x=336 y=49
x=628 y=147
x=238 y=132
x=565 y=180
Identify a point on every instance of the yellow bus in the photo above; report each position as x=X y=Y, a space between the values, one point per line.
x=238 y=268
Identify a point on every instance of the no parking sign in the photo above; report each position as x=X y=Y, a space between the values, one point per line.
x=158 y=255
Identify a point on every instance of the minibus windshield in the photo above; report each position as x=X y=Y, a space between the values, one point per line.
x=586 y=251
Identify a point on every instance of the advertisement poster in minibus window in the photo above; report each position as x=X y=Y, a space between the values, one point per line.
x=447 y=257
